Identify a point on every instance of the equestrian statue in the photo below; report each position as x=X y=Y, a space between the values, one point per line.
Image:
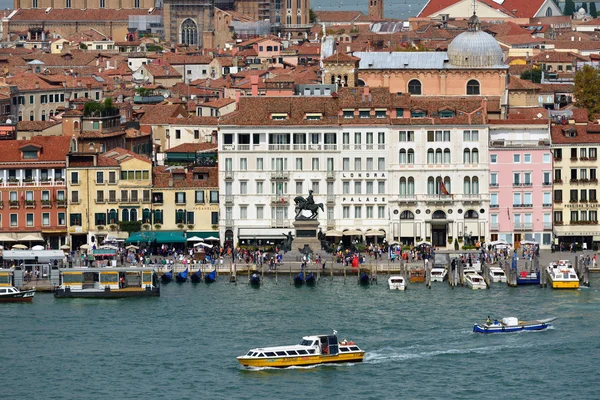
x=307 y=204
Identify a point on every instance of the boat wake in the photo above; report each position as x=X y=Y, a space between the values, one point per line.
x=388 y=354
x=299 y=367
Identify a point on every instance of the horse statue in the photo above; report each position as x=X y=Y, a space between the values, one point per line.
x=302 y=204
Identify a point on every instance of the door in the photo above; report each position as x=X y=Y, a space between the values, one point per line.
x=517 y=240
x=438 y=236
x=333 y=345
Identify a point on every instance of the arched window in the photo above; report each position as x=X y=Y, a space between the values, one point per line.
x=467 y=156
x=333 y=79
x=410 y=189
x=20 y=116
x=179 y=217
x=31 y=116
x=146 y=216
x=475 y=185
x=475 y=156
x=51 y=114
x=76 y=125
x=467 y=185
x=189 y=32
x=133 y=215
x=411 y=156
x=402 y=159
x=439 y=214
x=548 y=12
x=125 y=215
x=447 y=159
x=43 y=115
x=431 y=186
x=471 y=214
x=345 y=80
x=414 y=87
x=447 y=184
x=407 y=215
x=402 y=186
x=438 y=156
x=473 y=87
x=430 y=156
x=113 y=217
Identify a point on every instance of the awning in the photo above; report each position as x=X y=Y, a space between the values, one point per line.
x=104 y=252
x=352 y=232
x=334 y=233
x=267 y=233
x=203 y=234
x=374 y=233
x=166 y=237
x=31 y=238
x=596 y=238
x=4 y=238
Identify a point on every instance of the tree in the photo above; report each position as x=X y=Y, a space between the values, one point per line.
x=593 y=11
x=312 y=16
x=584 y=6
x=533 y=75
x=587 y=90
x=569 y=8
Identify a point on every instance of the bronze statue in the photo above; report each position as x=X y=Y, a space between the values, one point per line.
x=286 y=245
x=307 y=204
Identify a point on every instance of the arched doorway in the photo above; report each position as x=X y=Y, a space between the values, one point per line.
x=438 y=228
x=189 y=32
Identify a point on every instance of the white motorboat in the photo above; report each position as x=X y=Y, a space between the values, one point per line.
x=497 y=274
x=397 y=282
x=473 y=279
x=438 y=274
x=562 y=275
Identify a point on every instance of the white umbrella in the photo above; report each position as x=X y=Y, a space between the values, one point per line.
x=65 y=247
x=108 y=247
x=38 y=247
x=499 y=241
x=85 y=247
x=19 y=247
x=354 y=232
x=195 y=239
x=203 y=245
x=132 y=247
x=393 y=243
x=212 y=238
x=529 y=242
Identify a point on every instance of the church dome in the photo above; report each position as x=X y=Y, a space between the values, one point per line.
x=475 y=48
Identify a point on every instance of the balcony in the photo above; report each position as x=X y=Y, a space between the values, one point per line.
x=243 y=147
x=526 y=205
x=29 y=203
x=494 y=227
x=494 y=206
x=330 y=175
x=282 y=199
x=517 y=205
x=583 y=222
x=330 y=198
x=279 y=147
x=228 y=199
x=547 y=226
x=46 y=204
x=112 y=200
x=547 y=205
x=547 y=183
x=574 y=181
x=573 y=159
x=100 y=201
x=471 y=197
x=494 y=185
x=438 y=198
x=528 y=184
x=330 y=147
x=14 y=204
x=557 y=201
x=517 y=184
x=558 y=181
x=280 y=223
x=228 y=174
x=557 y=159
x=280 y=175
x=523 y=226
x=558 y=223
x=407 y=198
x=61 y=203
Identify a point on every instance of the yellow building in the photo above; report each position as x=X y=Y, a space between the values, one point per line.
x=107 y=193
x=186 y=200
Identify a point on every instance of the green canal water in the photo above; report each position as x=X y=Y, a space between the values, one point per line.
x=419 y=343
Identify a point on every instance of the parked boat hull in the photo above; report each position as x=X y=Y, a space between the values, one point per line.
x=106 y=294
x=311 y=279
x=180 y=279
x=284 y=362
x=524 y=326
x=196 y=277
x=255 y=280
x=564 y=284
x=20 y=297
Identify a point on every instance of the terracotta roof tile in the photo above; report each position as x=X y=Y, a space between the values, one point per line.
x=589 y=133
x=337 y=16
x=161 y=177
x=514 y=8
x=36 y=125
x=53 y=149
x=192 y=148
x=77 y=15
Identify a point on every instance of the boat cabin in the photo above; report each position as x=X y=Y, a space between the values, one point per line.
x=103 y=278
x=6 y=278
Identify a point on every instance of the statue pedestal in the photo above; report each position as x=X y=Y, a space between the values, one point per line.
x=306 y=235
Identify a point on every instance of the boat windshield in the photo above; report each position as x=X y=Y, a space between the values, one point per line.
x=305 y=342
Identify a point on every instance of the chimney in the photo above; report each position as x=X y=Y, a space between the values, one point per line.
x=171 y=181
x=366 y=91
x=254 y=84
x=37 y=85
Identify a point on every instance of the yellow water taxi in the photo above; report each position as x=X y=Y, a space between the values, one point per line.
x=312 y=350
x=562 y=275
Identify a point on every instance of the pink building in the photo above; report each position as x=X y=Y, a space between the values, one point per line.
x=520 y=181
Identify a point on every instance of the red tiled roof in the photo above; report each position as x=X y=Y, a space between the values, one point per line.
x=338 y=16
x=514 y=8
x=517 y=83
x=192 y=147
x=161 y=178
x=76 y=15
x=558 y=56
x=589 y=133
x=158 y=114
x=161 y=70
x=53 y=149
x=341 y=58
x=36 y=125
x=118 y=153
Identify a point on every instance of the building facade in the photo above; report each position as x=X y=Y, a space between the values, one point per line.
x=520 y=182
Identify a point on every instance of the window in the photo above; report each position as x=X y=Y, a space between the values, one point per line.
x=406 y=136
x=74 y=178
x=14 y=220
x=380 y=212
x=180 y=197
x=527 y=179
x=346 y=188
x=381 y=187
x=380 y=113
x=299 y=164
x=102 y=3
x=493 y=158
x=346 y=211
x=494 y=199
x=315 y=164
x=75 y=197
x=99 y=177
x=199 y=196
x=100 y=219
x=348 y=113
x=414 y=87
x=473 y=87
x=527 y=199
x=546 y=158
x=75 y=219
x=243 y=164
x=214 y=197
x=214 y=218
x=517 y=199
x=558 y=216
x=369 y=188
x=190 y=217
x=357 y=211
x=381 y=164
x=369 y=164
x=558 y=196
x=516 y=158
x=346 y=164
x=315 y=187
x=547 y=198
x=494 y=179
x=259 y=187
x=299 y=189
x=259 y=164
x=357 y=187
x=243 y=187
x=527 y=158
x=573 y=195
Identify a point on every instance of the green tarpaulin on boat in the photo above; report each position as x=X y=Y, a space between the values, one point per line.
x=166 y=237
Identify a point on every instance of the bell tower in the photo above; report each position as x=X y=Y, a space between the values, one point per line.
x=376 y=9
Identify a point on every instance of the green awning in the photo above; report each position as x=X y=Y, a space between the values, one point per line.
x=203 y=234
x=165 y=237
x=104 y=252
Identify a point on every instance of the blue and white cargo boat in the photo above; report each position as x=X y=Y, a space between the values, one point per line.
x=511 y=324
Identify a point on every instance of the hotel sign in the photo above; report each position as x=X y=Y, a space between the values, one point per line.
x=363 y=200
x=363 y=175
x=584 y=205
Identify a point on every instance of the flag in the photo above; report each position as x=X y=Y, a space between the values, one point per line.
x=508 y=213
x=443 y=189
x=22 y=196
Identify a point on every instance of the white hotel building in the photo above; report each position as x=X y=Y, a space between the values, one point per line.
x=374 y=159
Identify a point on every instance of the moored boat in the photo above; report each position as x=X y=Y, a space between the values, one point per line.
x=396 y=282
x=107 y=283
x=11 y=294
x=562 y=275
x=196 y=276
x=311 y=279
x=528 y=278
x=182 y=276
x=417 y=275
x=211 y=277
x=167 y=277
x=438 y=274
x=255 y=279
x=312 y=350
x=364 y=278
x=497 y=274
x=299 y=279
x=474 y=280
x=511 y=324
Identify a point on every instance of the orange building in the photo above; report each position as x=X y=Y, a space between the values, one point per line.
x=33 y=202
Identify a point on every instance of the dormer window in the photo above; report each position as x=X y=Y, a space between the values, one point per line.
x=279 y=116
x=30 y=155
x=570 y=132
x=348 y=113
x=417 y=114
x=314 y=116
x=380 y=113
x=399 y=112
x=446 y=114
x=364 y=114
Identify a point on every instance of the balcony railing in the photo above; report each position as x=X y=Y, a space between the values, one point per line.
x=547 y=183
x=111 y=200
x=545 y=205
x=517 y=184
x=407 y=198
x=280 y=199
x=547 y=226
x=228 y=174
x=494 y=206
x=280 y=175
x=34 y=182
x=494 y=185
x=494 y=226
x=330 y=147
x=280 y=223
x=100 y=201
x=558 y=181
x=279 y=147
x=523 y=226
x=229 y=198
x=438 y=197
